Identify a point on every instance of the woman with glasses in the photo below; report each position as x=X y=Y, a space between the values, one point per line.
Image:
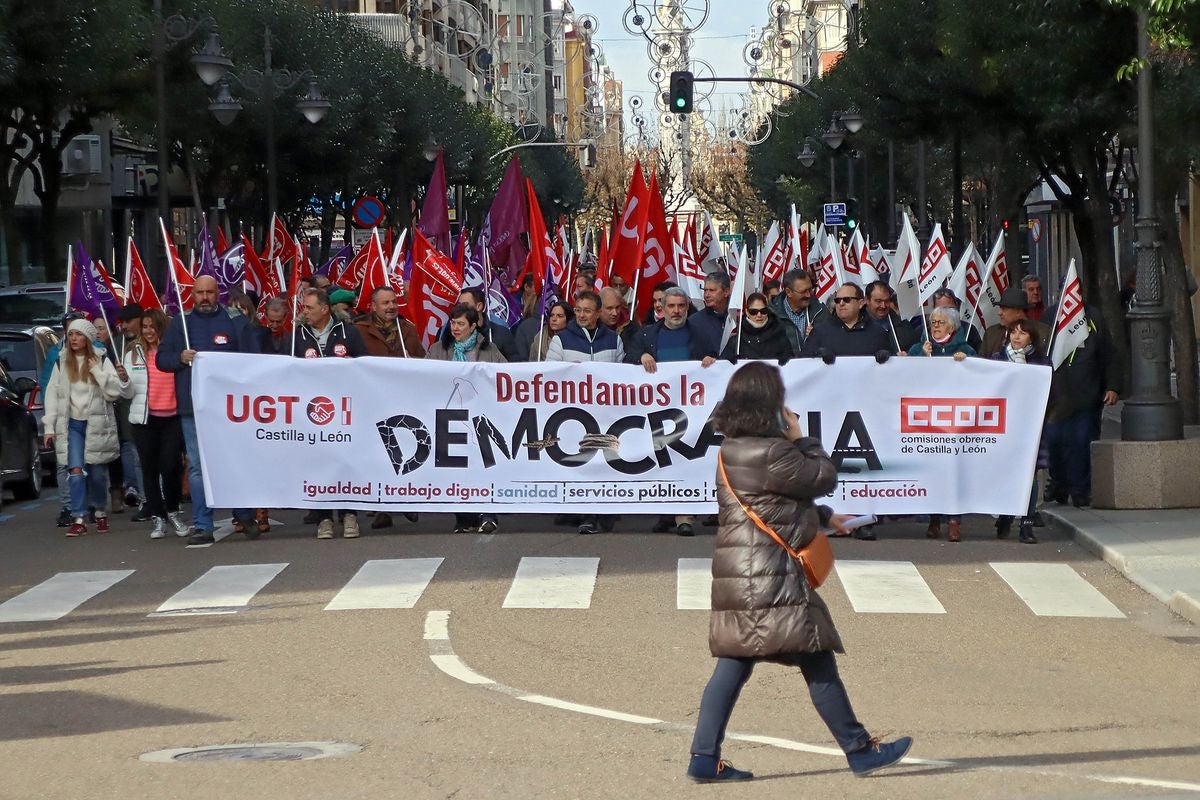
x=946 y=338
x=760 y=334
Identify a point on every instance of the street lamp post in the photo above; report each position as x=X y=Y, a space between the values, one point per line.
x=1151 y=414
x=212 y=66
x=269 y=82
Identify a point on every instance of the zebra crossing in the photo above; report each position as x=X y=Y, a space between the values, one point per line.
x=869 y=587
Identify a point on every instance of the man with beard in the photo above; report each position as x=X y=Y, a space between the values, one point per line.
x=211 y=327
x=386 y=333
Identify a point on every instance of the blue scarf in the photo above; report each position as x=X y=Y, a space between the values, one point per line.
x=462 y=348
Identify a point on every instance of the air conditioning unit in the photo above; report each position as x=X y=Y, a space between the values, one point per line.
x=82 y=156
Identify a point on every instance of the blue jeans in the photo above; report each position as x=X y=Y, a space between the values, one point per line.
x=824 y=687
x=91 y=482
x=202 y=517
x=1069 y=443
x=131 y=465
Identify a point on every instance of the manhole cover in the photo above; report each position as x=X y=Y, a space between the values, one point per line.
x=273 y=751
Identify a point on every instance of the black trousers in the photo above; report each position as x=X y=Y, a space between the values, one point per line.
x=160 y=448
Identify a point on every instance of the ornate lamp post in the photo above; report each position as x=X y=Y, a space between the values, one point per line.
x=267 y=82
x=1151 y=414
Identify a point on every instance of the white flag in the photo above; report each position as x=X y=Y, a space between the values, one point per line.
x=967 y=284
x=905 y=271
x=935 y=267
x=995 y=281
x=1070 y=322
x=737 y=300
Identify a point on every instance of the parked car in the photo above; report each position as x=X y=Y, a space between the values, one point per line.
x=20 y=456
x=33 y=304
x=23 y=350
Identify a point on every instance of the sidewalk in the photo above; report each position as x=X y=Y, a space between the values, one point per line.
x=1156 y=550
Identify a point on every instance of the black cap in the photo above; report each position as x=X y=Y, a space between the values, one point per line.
x=1014 y=297
x=130 y=312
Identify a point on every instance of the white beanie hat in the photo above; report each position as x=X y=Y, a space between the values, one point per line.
x=84 y=327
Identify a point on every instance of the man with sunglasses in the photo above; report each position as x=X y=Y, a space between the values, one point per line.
x=850 y=331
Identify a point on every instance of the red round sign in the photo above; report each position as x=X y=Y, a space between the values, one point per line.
x=369 y=212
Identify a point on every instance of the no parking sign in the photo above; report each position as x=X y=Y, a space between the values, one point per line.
x=369 y=212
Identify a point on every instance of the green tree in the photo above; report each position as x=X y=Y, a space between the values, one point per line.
x=65 y=64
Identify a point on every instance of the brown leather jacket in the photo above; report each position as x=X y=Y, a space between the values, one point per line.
x=377 y=346
x=762 y=607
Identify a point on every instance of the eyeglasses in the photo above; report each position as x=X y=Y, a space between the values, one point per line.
x=756 y=312
x=939 y=322
x=844 y=299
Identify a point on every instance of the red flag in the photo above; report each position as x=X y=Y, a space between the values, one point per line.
x=602 y=264
x=279 y=243
x=658 y=262
x=222 y=241
x=104 y=276
x=178 y=274
x=138 y=288
x=305 y=263
x=542 y=254
x=432 y=290
x=375 y=273
x=776 y=261
x=626 y=248
x=687 y=262
x=460 y=252
x=258 y=278
x=351 y=277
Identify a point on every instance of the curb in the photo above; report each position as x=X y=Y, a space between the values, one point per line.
x=1181 y=603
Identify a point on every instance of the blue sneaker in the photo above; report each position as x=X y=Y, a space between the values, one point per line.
x=878 y=755
x=708 y=769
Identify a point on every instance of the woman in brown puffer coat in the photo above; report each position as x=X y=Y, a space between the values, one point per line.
x=762 y=606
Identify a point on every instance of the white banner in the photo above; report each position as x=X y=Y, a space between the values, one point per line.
x=914 y=435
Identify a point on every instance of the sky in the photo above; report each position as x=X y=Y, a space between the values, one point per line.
x=720 y=42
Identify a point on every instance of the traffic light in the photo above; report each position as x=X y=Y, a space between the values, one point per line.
x=681 y=92
x=851 y=213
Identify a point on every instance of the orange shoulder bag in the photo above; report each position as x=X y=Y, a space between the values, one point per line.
x=815 y=558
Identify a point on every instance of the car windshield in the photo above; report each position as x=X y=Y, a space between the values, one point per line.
x=17 y=354
x=40 y=308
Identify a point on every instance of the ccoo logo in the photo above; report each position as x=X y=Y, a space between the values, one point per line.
x=321 y=410
x=953 y=415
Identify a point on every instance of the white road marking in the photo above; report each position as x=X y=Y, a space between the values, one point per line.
x=437 y=626
x=58 y=596
x=578 y=708
x=693 y=584
x=887 y=587
x=221 y=590
x=553 y=583
x=453 y=666
x=1055 y=590
x=386 y=583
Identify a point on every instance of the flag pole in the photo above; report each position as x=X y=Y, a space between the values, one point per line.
x=70 y=278
x=187 y=344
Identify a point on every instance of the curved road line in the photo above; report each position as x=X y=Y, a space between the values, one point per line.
x=441 y=653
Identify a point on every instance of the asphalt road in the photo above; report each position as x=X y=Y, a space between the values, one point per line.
x=460 y=696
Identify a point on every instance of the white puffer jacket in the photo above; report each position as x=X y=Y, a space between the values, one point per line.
x=100 y=445
x=138 y=388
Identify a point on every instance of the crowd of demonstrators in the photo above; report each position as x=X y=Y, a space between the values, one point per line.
x=151 y=360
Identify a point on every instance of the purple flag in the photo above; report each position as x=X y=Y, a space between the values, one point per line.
x=507 y=219
x=207 y=265
x=501 y=304
x=549 y=293
x=338 y=261
x=231 y=269
x=90 y=292
x=435 y=216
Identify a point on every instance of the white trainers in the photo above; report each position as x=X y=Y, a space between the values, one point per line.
x=160 y=529
x=325 y=529
x=177 y=523
x=350 y=526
